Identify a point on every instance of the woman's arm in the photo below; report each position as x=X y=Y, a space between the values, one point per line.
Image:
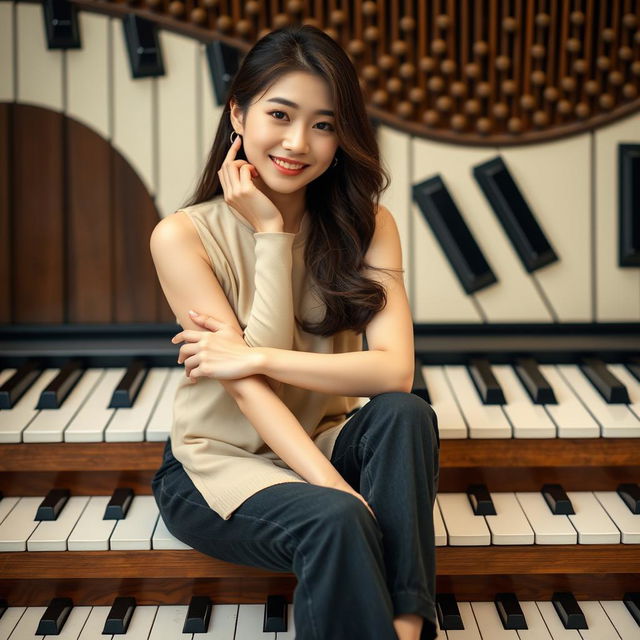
x=189 y=283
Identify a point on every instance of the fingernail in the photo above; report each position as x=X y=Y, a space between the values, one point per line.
x=192 y=312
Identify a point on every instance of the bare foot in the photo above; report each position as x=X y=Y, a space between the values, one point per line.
x=408 y=626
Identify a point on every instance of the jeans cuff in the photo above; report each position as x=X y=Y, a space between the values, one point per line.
x=412 y=602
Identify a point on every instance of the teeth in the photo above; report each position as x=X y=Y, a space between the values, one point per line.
x=287 y=165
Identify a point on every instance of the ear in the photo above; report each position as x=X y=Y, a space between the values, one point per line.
x=237 y=117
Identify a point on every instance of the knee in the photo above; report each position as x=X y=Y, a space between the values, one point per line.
x=341 y=511
x=415 y=411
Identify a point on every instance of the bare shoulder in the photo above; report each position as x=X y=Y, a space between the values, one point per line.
x=178 y=228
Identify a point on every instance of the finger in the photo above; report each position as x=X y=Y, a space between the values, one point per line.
x=210 y=323
x=247 y=172
x=190 y=364
x=186 y=350
x=188 y=335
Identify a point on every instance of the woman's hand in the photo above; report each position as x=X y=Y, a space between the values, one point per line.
x=242 y=194
x=217 y=352
x=347 y=488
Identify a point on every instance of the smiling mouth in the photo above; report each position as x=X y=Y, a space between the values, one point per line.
x=292 y=167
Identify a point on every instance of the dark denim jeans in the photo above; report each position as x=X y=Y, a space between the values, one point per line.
x=354 y=575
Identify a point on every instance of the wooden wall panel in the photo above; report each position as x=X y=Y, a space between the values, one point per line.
x=6 y=115
x=89 y=272
x=37 y=214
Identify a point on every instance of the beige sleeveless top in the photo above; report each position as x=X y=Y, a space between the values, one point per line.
x=264 y=279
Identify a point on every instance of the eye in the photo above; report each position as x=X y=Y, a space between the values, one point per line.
x=327 y=123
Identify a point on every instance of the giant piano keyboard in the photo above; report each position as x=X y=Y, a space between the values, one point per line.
x=537 y=516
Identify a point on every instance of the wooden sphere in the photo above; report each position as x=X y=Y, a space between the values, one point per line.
x=625 y=53
x=514 y=125
x=251 y=8
x=404 y=109
x=573 y=44
x=500 y=110
x=370 y=72
x=356 y=47
x=369 y=8
x=244 y=27
x=458 y=89
x=636 y=37
x=603 y=63
x=435 y=84
x=444 y=103
x=580 y=66
x=458 y=121
x=616 y=78
x=568 y=83
x=448 y=66
x=527 y=102
x=629 y=91
x=542 y=20
x=224 y=23
x=380 y=97
x=582 y=110
x=416 y=94
x=426 y=63
x=629 y=20
x=483 y=125
x=480 y=48
x=438 y=46
x=394 y=85
x=508 y=87
x=565 y=107
x=538 y=51
x=483 y=89
x=551 y=94
x=606 y=101
x=210 y=4
x=442 y=21
x=503 y=63
x=263 y=32
x=608 y=34
x=540 y=119
x=295 y=6
x=176 y=8
x=281 y=20
x=538 y=77
x=332 y=33
x=472 y=70
x=577 y=17
x=592 y=87
x=199 y=15
x=472 y=106
x=310 y=20
x=386 y=62
x=399 y=47
x=407 y=70
x=509 y=24
x=337 y=17
x=430 y=117
x=635 y=68
x=407 y=24
x=153 y=4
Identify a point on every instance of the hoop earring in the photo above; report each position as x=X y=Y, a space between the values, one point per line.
x=231 y=138
x=335 y=162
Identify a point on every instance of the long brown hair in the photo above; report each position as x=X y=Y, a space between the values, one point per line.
x=343 y=200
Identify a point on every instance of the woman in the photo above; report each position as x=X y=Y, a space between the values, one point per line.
x=287 y=263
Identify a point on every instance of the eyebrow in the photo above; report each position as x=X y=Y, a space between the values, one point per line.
x=288 y=103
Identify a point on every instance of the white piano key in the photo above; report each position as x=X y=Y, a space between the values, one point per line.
x=548 y=527
x=163 y=539
x=92 y=533
x=617 y=510
x=598 y=622
x=536 y=628
x=140 y=626
x=73 y=624
x=28 y=624
x=222 y=624
x=591 y=521
x=136 y=529
x=159 y=426
x=616 y=420
x=168 y=624
x=438 y=526
x=49 y=424
x=554 y=624
x=529 y=420
x=470 y=631
x=451 y=424
x=5 y=374
x=463 y=527
x=94 y=625
x=631 y=382
x=290 y=633
x=249 y=627
x=89 y=423
x=440 y=634
x=622 y=620
x=9 y=620
x=129 y=424
x=485 y=421
x=489 y=623
x=19 y=524
x=6 y=504
x=14 y=421
x=570 y=416
x=51 y=535
x=509 y=525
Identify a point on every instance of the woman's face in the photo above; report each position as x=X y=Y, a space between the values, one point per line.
x=272 y=128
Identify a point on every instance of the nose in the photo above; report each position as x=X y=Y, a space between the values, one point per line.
x=296 y=140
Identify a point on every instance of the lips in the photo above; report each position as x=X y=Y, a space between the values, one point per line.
x=300 y=166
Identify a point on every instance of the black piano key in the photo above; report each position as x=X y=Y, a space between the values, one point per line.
x=119 y=615
x=633 y=365
x=514 y=214
x=610 y=387
x=629 y=205
x=631 y=600
x=129 y=386
x=449 y=616
x=630 y=494
x=480 y=500
x=54 y=617
x=118 y=504
x=198 y=615
x=534 y=382
x=143 y=47
x=568 y=610
x=275 y=614
x=3 y=606
x=52 y=504
x=59 y=388
x=14 y=388
x=419 y=383
x=557 y=499
x=488 y=387
x=450 y=229
x=510 y=612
